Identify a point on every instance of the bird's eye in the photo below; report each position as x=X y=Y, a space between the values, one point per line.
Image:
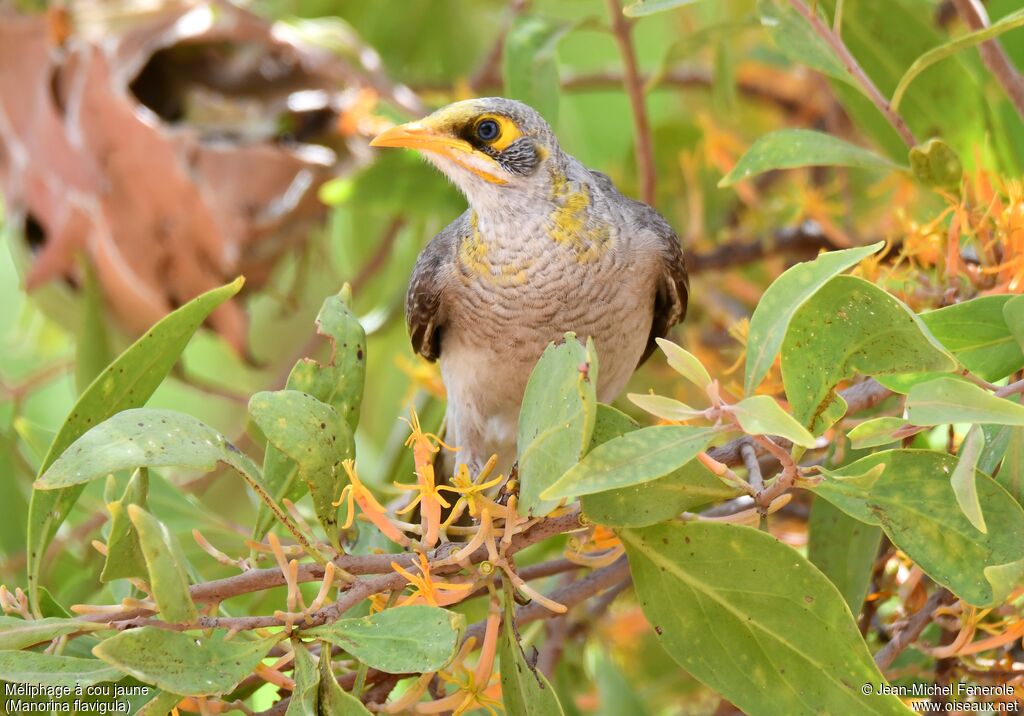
x=488 y=130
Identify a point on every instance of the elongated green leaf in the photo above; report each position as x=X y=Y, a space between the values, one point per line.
x=875 y=432
x=977 y=333
x=184 y=663
x=124 y=553
x=782 y=299
x=761 y=415
x=556 y=420
x=530 y=66
x=126 y=383
x=410 y=639
x=331 y=698
x=524 y=690
x=1013 y=314
x=648 y=503
x=795 y=37
x=684 y=363
x=962 y=480
x=844 y=549
x=1009 y=22
x=643 y=8
x=307 y=683
x=142 y=437
x=1011 y=473
x=168 y=577
x=753 y=589
x=92 y=346
x=662 y=407
x=313 y=436
x=30 y=667
x=18 y=633
x=635 y=458
x=850 y=327
x=914 y=503
x=948 y=400
x=338 y=382
x=793 y=148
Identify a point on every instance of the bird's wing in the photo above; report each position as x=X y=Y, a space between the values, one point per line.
x=673 y=284
x=424 y=303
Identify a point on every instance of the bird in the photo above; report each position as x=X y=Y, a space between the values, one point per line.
x=545 y=247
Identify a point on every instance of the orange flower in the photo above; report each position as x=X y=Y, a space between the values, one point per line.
x=426 y=589
x=356 y=492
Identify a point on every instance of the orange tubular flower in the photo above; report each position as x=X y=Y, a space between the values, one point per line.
x=429 y=591
x=473 y=687
x=470 y=491
x=424 y=447
x=356 y=492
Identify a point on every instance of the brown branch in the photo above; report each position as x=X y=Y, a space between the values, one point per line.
x=570 y=595
x=856 y=71
x=377 y=568
x=992 y=53
x=621 y=28
x=913 y=628
x=805 y=239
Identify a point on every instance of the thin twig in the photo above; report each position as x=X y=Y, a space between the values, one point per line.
x=856 y=71
x=992 y=53
x=914 y=626
x=635 y=90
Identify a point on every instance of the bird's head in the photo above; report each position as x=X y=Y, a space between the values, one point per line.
x=482 y=145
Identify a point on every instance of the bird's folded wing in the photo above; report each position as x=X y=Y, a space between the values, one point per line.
x=673 y=286
x=424 y=303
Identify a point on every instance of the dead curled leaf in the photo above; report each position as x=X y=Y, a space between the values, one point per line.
x=182 y=150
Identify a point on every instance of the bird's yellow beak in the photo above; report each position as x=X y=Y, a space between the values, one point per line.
x=422 y=137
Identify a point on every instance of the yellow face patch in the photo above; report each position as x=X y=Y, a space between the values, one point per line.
x=508 y=131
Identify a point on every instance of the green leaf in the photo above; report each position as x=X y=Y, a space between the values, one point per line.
x=313 y=436
x=524 y=690
x=332 y=700
x=949 y=400
x=962 y=480
x=936 y=165
x=684 y=363
x=850 y=327
x=648 y=503
x=753 y=590
x=795 y=37
x=844 y=549
x=18 y=633
x=782 y=299
x=1011 y=474
x=914 y=503
x=142 y=437
x=1013 y=314
x=793 y=148
x=185 y=663
x=1009 y=22
x=761 y=415
x=976 y=332
x=636 y=457
x=1004 y=578
x=124 y=553
x=126 y=383
x=875 y=432
x=168 y=577
x=662 y=407
x=412 y=639
x=530 y=63
x=643 y=8
x=556 y=420
x=92 y=346
x=160 y=705
x=29 y=667
x=307 y=683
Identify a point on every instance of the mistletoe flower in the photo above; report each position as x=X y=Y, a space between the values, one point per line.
x=428 y=590
x=473 y=686
x=356 y=492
